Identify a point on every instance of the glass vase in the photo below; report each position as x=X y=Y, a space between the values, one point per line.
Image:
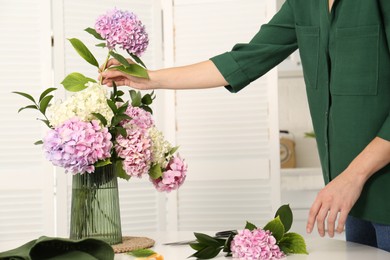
x=95 y=211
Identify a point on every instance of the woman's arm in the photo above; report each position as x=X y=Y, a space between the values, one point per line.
x=339 y=196
x=200 y=75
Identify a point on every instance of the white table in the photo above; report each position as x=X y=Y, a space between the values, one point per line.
x=318 y=248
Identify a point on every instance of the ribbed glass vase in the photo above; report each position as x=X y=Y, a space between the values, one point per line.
x=95 y=211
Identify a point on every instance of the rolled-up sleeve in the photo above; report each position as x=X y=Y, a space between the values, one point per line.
x=246 y=62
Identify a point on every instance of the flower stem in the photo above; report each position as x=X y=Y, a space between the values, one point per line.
x=104 y=66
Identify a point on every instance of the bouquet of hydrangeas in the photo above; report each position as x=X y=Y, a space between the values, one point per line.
x=93 y=128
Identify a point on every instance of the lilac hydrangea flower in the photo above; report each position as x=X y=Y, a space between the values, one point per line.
x=77 y=145
x=255 y=245
x=173 y=176
x=140 y=118
x=136 y=152
x=123 y=28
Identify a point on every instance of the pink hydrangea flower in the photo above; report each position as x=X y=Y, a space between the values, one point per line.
x=173 y=176
x=140 y=118
x=77 y=145
x=124 y=29
x=255 y=245
x=136 y=152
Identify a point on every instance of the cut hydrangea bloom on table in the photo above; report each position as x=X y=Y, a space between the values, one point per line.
x=254 y=245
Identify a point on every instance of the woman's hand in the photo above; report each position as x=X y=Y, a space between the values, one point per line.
x=335 y=201
x=339 y=196
x=122 y=79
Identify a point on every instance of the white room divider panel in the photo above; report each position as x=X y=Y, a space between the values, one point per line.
x=26 y=179
x=230 y=141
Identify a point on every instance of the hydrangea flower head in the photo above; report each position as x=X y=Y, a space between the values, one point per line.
x=140 y=118
x=76 y=145
x=135 y=150
x=173 y=176
x=81 y=104
x=255 y=245
x=123 y=28
x=160 y=147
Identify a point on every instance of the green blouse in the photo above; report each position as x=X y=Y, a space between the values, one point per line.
x=346 y=63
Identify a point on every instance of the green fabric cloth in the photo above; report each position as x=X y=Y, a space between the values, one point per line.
x=52 y=248
x=346 y=64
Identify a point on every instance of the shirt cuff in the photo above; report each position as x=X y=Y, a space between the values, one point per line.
x=384 y=132
x=231 y=71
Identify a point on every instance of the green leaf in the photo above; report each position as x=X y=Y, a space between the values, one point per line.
x=286 y=216
x=173 y=150
x=121 y=131
x=83 y=51
x=133 y=70
x=112 y=105
x=44 y=93
x=197 y=246
x=142 y=253
x=28 y=107
x=250 y=226
x=147 y=99
x=75 y=82
x=38 y=142
x=44 y=103
x=122 y=109
x=276 y=227
x=120 y=172
x=25 y=95
x=136 y=98
x=94 y=33
x=293 y=243
x=207 y=253
x=102 y=163
x=45 y=121
x=103 y=45
x=208 y=240
x=101 y=118
x=136 y=58
x=120 y=58
x=155 y=172
x=147 y=109
x=118 y=118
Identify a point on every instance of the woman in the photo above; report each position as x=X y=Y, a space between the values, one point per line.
x=344 y=48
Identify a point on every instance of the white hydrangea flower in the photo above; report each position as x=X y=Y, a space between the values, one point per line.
x=82 y=104
x=160 y=146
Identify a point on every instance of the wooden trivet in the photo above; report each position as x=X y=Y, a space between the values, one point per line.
x=133 y=243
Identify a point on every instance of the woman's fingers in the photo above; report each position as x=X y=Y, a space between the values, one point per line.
x=110 y=74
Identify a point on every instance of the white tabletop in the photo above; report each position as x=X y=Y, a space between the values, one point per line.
x=318 y=248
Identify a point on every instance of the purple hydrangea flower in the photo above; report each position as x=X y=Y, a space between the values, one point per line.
x=173 y=176
x=124 y=29
x=136 y=151
x=255 y=245
x=77 y=145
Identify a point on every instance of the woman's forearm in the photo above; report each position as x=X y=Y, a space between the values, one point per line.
x=196 y=76
x=375 y=156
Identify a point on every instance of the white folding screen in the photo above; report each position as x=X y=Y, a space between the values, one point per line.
x=142 y=208
x=229 y=140
x=26 y=179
